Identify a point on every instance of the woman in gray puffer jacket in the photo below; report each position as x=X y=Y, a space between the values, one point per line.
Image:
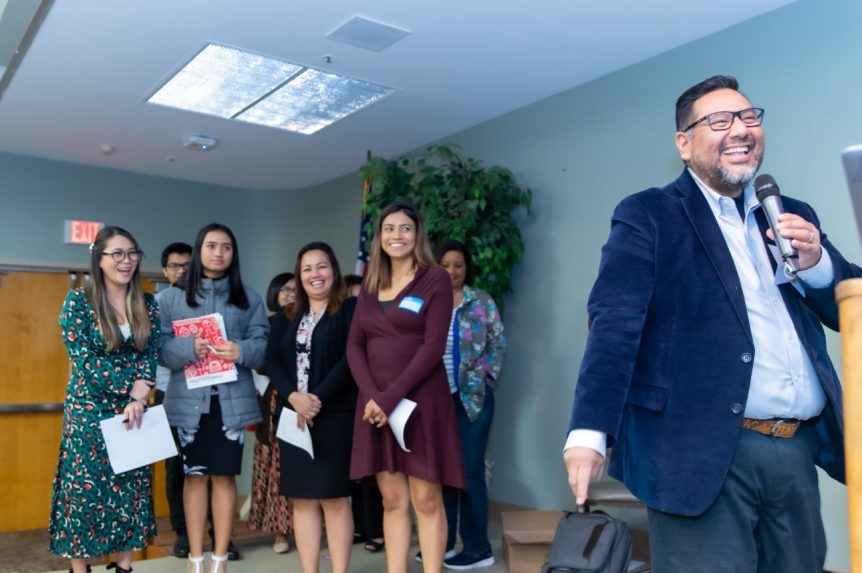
x=211 y=420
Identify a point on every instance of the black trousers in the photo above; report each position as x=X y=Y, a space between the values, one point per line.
x=766 y=518
x=367 y=506
x=174 y=479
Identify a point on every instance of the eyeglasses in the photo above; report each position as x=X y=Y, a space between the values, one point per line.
x=722 y=120
x=287 y=290
x=120 y=256
x=177 y=266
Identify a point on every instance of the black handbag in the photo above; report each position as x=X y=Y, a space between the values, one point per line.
x=592 y=542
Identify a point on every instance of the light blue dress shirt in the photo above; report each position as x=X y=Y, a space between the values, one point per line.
x=783 y=381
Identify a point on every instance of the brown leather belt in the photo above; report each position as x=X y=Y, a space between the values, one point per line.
x=778 y=427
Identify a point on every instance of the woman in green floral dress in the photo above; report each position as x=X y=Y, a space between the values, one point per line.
x=110 y=329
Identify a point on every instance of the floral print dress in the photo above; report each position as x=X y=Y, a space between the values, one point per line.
x=95 y=512
x=270 y=511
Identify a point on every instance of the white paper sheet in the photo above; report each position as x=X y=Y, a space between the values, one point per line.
x=138 y=447
x=288 y=432
x=398 y=420
x=260 y=382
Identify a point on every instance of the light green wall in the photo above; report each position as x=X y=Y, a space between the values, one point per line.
x=37 y=195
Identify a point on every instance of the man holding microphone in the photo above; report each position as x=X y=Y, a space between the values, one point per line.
x=706 y=367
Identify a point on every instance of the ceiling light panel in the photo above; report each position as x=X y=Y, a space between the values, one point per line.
x=223 y=81
x=313 y=100
x=234 y=84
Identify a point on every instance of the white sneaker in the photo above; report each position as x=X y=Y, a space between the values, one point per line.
x=462 y=562
x=448 y=555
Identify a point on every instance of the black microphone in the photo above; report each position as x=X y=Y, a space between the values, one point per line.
x=769 y=197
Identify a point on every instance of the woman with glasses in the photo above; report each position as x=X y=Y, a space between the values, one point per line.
x=306 y=360
x=211 y=420
x=270 y=511
x=111 y=332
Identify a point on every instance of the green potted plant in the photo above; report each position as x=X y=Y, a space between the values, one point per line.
x=459 y=199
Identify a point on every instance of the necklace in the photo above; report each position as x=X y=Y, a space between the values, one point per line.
x=316 y=315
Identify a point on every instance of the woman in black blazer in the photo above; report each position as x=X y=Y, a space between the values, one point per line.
x=307 y=366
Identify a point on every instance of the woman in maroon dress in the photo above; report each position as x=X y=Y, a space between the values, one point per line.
x=395 y=351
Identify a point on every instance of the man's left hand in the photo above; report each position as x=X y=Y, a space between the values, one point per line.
x=804 y=237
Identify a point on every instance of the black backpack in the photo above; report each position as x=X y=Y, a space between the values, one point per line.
x=591 y=542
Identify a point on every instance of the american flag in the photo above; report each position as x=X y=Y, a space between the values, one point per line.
x=364 y=240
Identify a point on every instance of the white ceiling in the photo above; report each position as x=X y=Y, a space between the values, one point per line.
x=93 y=63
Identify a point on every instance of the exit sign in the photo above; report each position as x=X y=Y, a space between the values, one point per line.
x=81 y=232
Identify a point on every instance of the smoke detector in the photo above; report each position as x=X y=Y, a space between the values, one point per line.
x=200 y=142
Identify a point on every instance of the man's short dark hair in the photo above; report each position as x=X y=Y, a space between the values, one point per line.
x=175 y=248
x=686 y=101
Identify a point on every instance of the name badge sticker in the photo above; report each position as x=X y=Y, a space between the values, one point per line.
x=412 y=303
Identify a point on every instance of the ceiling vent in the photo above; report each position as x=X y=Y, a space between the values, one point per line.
x=368 y=34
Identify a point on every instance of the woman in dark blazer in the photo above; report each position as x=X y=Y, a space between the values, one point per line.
x=307 y=365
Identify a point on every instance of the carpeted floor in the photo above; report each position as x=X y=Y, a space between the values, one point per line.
x=27 y=552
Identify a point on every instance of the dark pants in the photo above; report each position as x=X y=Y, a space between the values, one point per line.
x=467 y=511
x=367 y=506
x=766 y=518
x=174 y=479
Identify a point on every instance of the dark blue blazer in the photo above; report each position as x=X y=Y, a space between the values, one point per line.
x=668 y=361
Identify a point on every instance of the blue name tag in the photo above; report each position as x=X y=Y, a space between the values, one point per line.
x=411 y=303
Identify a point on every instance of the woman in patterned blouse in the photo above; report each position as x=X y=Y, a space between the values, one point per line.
x=110 y=329
x=306 y=363
x=473 y=358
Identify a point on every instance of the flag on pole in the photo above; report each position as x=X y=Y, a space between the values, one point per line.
x=364 y=240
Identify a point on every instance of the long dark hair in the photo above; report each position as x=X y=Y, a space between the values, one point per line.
x=379 y=275
x=337 y=295
x=136 y=308
x=192 y=282
x=273 y=289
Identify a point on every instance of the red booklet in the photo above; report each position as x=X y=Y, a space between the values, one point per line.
x=209 y=370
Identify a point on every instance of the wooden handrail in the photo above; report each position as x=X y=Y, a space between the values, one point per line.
x=849 y=296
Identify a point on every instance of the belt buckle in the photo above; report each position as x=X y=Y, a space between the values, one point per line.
x=776 y=427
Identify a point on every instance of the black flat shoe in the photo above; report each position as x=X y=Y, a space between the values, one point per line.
x=374 y=546
x=233 y=552
x=181 y=546
x=113 y=565
x=357 y=538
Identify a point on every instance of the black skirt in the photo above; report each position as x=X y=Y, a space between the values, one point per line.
x=328 y=474
x=211 y=449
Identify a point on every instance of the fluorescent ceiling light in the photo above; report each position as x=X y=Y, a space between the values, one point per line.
x=236 y=84
x=313 y=100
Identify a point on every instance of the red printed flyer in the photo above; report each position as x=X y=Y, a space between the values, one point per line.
x=209 y=370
